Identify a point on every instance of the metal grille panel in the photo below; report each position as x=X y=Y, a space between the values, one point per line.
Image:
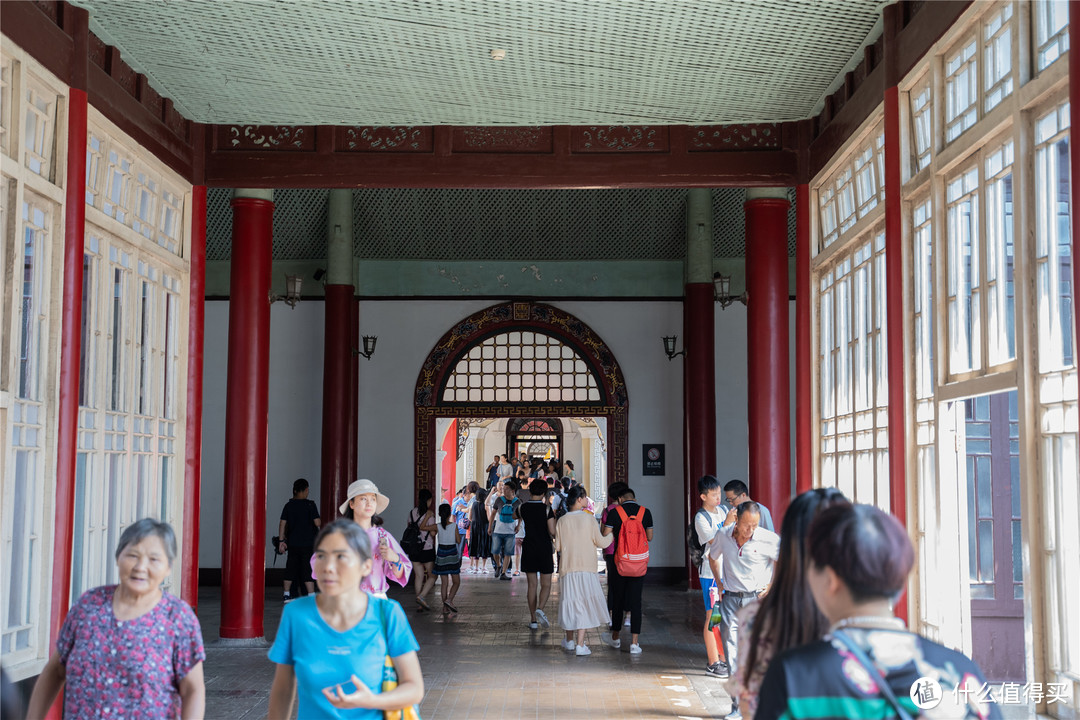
x=521 y=366
x=433 y=224
x=426 y=62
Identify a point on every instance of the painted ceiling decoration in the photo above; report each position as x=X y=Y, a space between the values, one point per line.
x=431 y=62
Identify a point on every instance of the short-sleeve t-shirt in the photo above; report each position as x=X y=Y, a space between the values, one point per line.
x=300 y=516
x=749 y=567
x=614 y=521
x=534 y=515
x=502 y=528
x=129 y=668
x=705 y=525
x=824 y=680
x=323 y=657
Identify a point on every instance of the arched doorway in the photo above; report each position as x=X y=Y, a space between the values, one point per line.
x=520 y=360
x=536 y=437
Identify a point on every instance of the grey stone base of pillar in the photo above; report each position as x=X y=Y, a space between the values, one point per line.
x=227 y=643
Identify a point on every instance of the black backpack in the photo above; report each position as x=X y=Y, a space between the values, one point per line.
x=561 y=510
x=411 y=542
x=697 y=550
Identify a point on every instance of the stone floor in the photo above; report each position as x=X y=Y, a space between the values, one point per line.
x=485 y=662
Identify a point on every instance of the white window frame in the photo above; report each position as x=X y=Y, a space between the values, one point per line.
x=47 y=189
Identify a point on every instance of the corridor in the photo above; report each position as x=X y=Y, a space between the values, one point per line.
x=486 y=663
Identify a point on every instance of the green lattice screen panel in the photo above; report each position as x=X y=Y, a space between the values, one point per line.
x=473 y=225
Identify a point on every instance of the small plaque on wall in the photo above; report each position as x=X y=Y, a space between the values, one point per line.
x=652 y=459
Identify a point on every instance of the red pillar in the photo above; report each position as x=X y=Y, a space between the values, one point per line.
x=354 y=389
x=804 y=362
x=699 y=388
x=67 y=416
x=67 y=430
x=337 y=406
x=189 y=583
x=894 y=307
x=244 y=523
x=767 y=352
x=894 y=282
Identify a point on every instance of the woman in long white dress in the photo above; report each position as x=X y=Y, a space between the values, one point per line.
x=581 y=600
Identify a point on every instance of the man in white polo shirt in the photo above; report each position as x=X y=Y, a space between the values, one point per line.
x=749 y=555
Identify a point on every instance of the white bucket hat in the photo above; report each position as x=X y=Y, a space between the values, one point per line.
x=362 y=487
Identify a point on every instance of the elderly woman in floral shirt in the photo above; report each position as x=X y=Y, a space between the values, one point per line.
x=129 y=650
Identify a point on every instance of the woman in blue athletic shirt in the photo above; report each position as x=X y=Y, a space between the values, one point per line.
x=331 y=647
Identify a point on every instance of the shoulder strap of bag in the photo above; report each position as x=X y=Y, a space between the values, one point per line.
x=640 y=513
x=622 y=513
x=879 y=679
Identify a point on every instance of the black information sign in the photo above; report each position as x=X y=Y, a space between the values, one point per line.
x=652 y=459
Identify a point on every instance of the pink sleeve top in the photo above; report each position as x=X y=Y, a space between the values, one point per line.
x=382 y=571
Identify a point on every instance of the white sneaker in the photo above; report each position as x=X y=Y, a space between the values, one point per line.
x=626 y=622
x=582 y=650
x=533 y=626
x=542 y=619
x=567 y=644
x=635 y=649
x=606 y=638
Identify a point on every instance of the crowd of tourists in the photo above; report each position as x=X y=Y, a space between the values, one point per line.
x=799 y=622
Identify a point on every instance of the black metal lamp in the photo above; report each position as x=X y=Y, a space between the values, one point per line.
x=669 y=347
x=369 y=346
x=722 y=291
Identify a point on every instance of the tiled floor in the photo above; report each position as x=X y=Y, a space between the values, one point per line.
x=486 y=663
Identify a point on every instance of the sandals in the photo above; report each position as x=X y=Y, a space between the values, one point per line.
x=421 y=604
x=447 y=607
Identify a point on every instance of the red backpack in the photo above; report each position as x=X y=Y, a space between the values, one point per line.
x=632 y=555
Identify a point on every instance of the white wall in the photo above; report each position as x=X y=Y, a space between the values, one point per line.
x=407 y=331
x=294 y=447
x=732 y=430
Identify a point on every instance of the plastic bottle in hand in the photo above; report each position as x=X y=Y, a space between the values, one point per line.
x=715 y=617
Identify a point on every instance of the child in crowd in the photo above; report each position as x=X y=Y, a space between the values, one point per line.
x=448 y=557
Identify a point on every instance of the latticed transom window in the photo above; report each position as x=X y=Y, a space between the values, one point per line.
x=1051 y=31
x=961 y=89
x=997 y=57
x=40 y=128
x=133 y=189
x=854 y=189
x=921 y=114
x=521 y=366
x=6 y=68
x=536 y=426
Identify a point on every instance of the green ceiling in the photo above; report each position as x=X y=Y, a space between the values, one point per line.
x=427 y=62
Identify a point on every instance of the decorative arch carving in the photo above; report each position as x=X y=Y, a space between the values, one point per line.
x=528 y=316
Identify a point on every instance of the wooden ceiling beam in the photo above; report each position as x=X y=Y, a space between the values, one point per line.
x=560 y=157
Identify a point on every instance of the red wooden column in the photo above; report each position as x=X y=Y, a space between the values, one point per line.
x=804 y=471
x=894 y=281
x=67 y=429
x=244 y=524
x=337 y=355
x=767 y=348
x=354 y=389
x=699 y=384
x=189 y=583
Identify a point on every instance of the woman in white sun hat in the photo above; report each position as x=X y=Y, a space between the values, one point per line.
x=362 y=502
